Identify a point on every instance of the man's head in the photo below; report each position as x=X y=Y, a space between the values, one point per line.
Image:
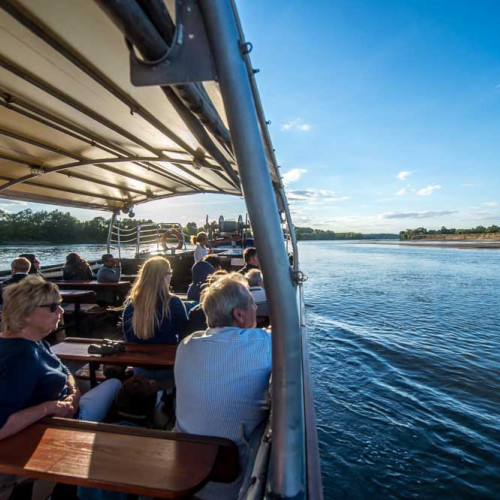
x=108 y=260
x=250 y=256
x=20 y=265
x=228 y=302
x=35 y=263
x=254 y=277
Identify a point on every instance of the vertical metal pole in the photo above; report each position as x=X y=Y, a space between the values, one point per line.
x=119 y=243
x=138 y=240
x=110 y=231
x=288 y=449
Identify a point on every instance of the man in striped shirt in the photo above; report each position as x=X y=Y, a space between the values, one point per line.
x=222 y=373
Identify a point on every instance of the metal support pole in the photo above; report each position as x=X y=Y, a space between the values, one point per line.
x=110 y=231
x=288 y=447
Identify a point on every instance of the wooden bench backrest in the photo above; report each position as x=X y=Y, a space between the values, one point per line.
x=132 y=460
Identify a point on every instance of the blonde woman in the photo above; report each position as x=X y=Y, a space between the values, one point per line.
x=201 y=250
x=152 y=314
x=33 y=381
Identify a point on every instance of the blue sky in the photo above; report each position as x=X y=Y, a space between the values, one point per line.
x=385 y=113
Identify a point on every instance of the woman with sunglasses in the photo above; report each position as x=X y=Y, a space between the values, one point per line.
x=33 y=381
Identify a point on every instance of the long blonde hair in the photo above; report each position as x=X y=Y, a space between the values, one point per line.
x=149 y=288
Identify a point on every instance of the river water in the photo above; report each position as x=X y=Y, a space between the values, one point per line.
x=405 y=353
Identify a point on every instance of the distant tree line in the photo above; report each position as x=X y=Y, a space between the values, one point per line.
x=308 y=233
x=411 y=234
x=62 y=227
x=55 y=227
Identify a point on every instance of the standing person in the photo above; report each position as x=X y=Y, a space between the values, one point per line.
x=111 y=269
x=152 y=314
x=201 y=250
x=222 y=374
x=35 y=263
x=76 y=269
x=251 y=260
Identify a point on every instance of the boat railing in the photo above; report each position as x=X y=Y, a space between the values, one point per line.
x=148 y=238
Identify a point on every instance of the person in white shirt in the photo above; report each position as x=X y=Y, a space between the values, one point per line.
x=222 y=373
x=201 y=241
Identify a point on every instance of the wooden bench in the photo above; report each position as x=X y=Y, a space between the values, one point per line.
x=131 y=460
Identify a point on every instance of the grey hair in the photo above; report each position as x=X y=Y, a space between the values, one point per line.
x=254 y=277
x=220 y=298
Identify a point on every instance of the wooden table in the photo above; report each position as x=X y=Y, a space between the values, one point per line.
x=128 y=277
x=131 y=460
x=78 y=297
x=120 y=286
x=145 y=355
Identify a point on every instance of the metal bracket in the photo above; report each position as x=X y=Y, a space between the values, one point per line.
x=189 y=58
x=299 y=277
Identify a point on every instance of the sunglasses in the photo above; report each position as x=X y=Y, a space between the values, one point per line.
x=52 y=307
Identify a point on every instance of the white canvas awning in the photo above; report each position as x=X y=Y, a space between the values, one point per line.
x=74 y=130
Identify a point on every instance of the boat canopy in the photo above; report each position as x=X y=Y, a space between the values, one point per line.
x=75 y=131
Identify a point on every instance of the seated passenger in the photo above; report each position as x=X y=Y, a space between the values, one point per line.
x=109 y=272
x=196 y=317
x=111 y=269
x=256 y=284
x=33 y=381
x=222 y=374
x=35 y=263
x=251 y=260
x=201 y=241
x=76 y=269
x=19 y=269
x=201 y=271
x=152 y=314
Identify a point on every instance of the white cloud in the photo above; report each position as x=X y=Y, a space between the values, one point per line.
x=491 y=203
x=317 y=196
x=297 y=125
x=427 y=191
x=468 y=185
x=293 y=175
x=10 y=203
x=403 y=175
x=415 y=215
x=401 y=192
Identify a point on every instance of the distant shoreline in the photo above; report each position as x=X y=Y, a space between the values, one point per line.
x=492 y=245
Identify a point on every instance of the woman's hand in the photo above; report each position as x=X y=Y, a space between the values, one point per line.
x=63 y=408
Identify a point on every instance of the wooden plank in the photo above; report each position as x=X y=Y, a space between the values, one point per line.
x=96 y=456
x=121 y=286
x=78 y=296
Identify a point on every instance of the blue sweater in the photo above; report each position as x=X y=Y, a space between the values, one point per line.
x=169 y=330
x=30 y=374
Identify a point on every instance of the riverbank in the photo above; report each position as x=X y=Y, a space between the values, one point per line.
x=495 y=245
x=458 y=237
